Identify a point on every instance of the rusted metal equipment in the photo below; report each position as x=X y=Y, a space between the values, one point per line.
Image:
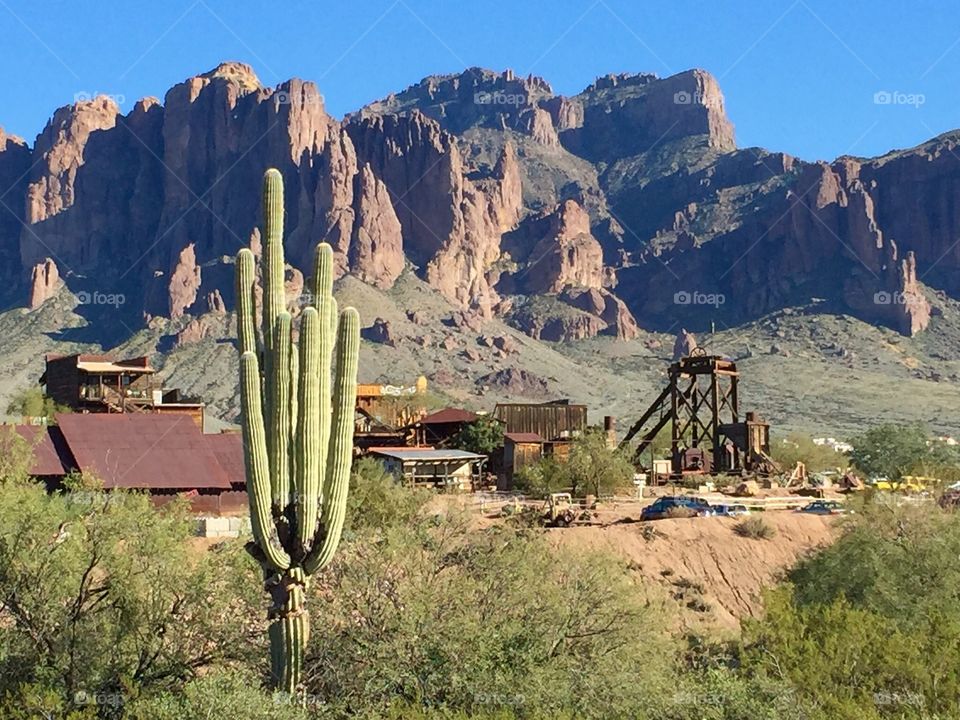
x=700 y=403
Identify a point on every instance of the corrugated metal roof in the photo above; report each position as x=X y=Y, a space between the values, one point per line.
x=522 y=437
x=430 y=455
x=47 y=458
x=98 y=366
x=228 y=449
x=147 y=451
x=449 y=415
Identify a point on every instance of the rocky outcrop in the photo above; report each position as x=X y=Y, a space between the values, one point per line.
x=376 y=247
x=184 y=283
x=607 y=307
x=478 y=98
x=566 y=327
x=15 y=158
x=568 y=255
x=515 y=383
x=44 y=283
x=626 y=115
x=496 y=191
x=684 y=345
x=451 y=224
x=381 y=332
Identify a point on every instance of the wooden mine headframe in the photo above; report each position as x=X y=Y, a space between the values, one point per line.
x=702 y=406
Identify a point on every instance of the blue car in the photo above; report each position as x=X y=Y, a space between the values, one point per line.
x=677 y=506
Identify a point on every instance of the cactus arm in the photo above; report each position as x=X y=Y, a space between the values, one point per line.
x=280 y=421
x=340 y=457
x=257 y=464
x=294 y=417
x=274 y=301
x=325 y=304
x=307 y=487
x=246 y=332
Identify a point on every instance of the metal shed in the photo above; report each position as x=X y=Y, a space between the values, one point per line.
x=451 y=469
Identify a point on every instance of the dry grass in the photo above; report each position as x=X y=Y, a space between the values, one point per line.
x=756 y=528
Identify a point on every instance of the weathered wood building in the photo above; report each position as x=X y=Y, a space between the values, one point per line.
x=100 y=384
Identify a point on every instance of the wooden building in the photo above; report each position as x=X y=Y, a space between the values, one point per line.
x=551 y=421
x=441 y=427
x=520 y=450
x=165 y=455
x=100 y=384
x=445 y=469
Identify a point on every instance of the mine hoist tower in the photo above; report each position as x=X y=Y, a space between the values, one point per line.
x=700 y=403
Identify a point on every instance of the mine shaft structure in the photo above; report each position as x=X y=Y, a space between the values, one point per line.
x=701 y=405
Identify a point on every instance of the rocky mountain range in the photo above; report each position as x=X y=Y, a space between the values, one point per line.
x=628 y=205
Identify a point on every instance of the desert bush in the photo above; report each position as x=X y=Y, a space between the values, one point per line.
x=224 y=693
x=754 y=527
x=377 y=500
x=484 y=435
x=441 y=615
x=595 y=468
x=541 y=478
x=101 y=597
x=32 y=402
x=879 y=607
x=893 y=451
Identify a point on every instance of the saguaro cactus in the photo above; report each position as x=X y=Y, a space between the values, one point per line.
x=298 y=412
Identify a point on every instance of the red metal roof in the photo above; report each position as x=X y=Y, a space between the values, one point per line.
x=47 y=458
x=228 y=449
x=144 y=451
x=449 y=415
x=523 y=437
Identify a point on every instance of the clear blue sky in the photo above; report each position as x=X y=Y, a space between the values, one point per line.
x=798 y=75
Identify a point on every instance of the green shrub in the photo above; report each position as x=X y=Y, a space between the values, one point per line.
x=880 y=609
x=541 y=478
x=377 y=500
x=754 y=527
x=591 y=468
x=442 y=615
x=103 y=597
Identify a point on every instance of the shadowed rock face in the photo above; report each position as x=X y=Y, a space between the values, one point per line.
x=14 y=166
x=627 y=204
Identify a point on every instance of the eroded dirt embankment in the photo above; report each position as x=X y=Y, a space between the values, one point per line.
x=715 y=575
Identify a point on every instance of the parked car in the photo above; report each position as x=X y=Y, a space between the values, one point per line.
x=731 y=510
x=673 y=506
x=824 y=507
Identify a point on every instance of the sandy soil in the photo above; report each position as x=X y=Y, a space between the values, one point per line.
x=716 y=575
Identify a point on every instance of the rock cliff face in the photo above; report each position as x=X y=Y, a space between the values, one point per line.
x=14 y=166
x=567 y=255
x=625 y=205
x=44 y=283
x=451 y=223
